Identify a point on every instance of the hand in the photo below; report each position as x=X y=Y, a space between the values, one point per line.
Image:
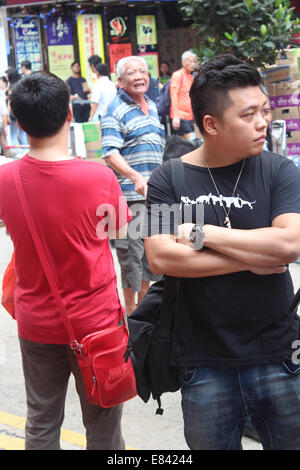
x=140 y=184
x=268 y=270
x=176 y=123
x=183 y=235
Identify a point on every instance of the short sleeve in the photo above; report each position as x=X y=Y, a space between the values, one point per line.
x=162 y=213
x=112 y=135
x=286 y=192
x=96 y=93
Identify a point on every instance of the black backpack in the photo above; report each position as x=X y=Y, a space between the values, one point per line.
x=151 y=328
x=177 y=146
x=163 y=101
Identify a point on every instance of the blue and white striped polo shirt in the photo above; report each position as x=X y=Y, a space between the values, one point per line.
x=138 y=137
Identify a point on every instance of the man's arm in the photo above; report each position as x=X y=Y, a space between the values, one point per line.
x=94 y=107
x=165 y=256
x=119 y=164
x=270 y=246
x=174 y=89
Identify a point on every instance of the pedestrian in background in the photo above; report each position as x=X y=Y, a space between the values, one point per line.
x=132 y=144
x=17 y=135
x=64 y=195
x=93 y=61
x=164 y=70
x=4 y=116
x=234 y=336
x=79 y=91
x=181 y=108
x=103 y=92
x=26 y=67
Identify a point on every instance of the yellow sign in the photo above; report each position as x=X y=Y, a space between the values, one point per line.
x=146 y=30
x=90 y=38
x=60 y=60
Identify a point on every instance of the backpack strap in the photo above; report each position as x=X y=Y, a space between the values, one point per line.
x=177 y=177
x=295 y=302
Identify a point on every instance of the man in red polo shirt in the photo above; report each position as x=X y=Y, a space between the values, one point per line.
x=69 y=199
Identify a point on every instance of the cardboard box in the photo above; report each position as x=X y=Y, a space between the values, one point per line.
x=293 y=142
x=92 y=140
x=287 y=94
x=292 y=112
x=271 y=89
x=290 y=115
x=276 y=74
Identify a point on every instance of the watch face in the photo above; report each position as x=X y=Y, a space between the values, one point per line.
x=193 y=235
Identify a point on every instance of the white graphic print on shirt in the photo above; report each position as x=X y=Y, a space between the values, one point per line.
x=222 y=200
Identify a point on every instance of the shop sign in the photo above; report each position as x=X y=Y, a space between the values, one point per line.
x=146 y=30
x=27 y=41
x=60 y=45
x=59 y=30
x=118 y=30
x=117 y=52
x=90 y=38
x=152 y=63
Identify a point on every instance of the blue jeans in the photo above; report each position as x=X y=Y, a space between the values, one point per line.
x=216 y=401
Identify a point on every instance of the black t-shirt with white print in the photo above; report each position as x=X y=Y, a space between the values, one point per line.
x=240 y=318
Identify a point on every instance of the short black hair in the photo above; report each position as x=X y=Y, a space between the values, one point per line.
x=75 y=62
x=4 y=79
x=40 y=103
x=26 y=64
x=102 y=69
x=94 y=60
x=12 y=75
x=214 y=79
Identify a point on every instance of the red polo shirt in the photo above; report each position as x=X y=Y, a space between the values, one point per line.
x=70 y=202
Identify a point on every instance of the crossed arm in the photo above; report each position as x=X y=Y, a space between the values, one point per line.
x=262 y=251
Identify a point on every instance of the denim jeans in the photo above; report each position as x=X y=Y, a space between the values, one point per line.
x=216 y=402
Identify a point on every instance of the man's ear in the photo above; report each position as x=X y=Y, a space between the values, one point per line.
x=120 y=82
x=209 y=124
x=70 y=114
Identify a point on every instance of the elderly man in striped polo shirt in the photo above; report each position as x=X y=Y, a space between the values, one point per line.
x=132 y=142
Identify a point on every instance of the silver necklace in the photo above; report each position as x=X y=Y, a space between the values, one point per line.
x=227 y=222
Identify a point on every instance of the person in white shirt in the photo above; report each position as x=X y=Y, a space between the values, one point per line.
x=103 y=92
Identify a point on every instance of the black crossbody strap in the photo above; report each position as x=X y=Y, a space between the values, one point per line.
x=295 y=302
x=171 y=283
x=177 y=177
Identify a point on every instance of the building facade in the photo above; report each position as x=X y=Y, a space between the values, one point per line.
x=54 y=34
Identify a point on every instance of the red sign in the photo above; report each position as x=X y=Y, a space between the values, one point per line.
x=116 y=52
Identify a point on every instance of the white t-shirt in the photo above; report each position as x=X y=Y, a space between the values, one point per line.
x=103 y=92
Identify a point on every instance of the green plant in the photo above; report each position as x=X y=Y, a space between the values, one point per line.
x=253 y=30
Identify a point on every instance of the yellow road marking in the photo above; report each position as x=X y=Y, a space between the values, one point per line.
x=19 y=423
x=10 y=443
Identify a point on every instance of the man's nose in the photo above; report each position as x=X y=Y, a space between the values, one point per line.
x=261 y=121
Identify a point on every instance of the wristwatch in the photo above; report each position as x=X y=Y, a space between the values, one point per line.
x=197 y=237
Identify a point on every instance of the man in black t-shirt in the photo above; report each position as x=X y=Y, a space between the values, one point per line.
x=79 y=94
x=234 y=338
